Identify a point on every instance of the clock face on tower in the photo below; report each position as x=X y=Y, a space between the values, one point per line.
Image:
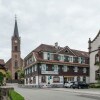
x=15 y=41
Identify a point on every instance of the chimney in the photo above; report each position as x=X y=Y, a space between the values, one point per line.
x=56 y=45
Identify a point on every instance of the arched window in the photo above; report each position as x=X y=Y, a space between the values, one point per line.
x=97 y=75
x=97 y=58
x=16 y=64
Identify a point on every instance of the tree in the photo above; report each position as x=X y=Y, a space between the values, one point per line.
x=21 y=75
x=8 y=75
x=1 y=78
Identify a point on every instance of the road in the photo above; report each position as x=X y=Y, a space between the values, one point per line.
x=50 y=94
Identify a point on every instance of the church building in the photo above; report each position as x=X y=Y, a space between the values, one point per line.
x=94 y=53
x=15 y=62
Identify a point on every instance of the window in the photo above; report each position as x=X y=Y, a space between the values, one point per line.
x=61 y=57
x=84 y=70
x=29 y=70
x=75 y=69
x=34 y=79
x=84 y=79
x=32 y=68
x=44 y=67
x=70 y=58
x=43 y=79
x=35 y=68
x=55 y=67
x=25 y=71
x=30 y=80
x=79 y=60
x=97 y=75
x=46 y=55
x=66 y=58
x=65 y=68
x=26 y=81
x=16 y=64
x=16 y=48
x=56 y=79
x=96 y=58
x=51 y=56
x=83 y=60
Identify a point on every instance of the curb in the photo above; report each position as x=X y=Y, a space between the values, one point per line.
x=80 y=92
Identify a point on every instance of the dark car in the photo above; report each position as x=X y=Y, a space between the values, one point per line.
x=80 y=85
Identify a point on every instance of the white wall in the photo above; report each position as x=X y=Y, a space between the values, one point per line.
x=94 y=46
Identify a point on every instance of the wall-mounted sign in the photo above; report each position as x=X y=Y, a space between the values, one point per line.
x=49 y=72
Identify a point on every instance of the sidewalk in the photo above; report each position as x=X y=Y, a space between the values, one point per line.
x=80 y=91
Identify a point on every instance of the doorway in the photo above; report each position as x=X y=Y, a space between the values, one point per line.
x=16 y=76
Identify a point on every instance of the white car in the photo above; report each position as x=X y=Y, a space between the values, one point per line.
x=68 y=84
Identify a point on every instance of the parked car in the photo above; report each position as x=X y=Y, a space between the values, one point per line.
x=80 y=85
x=68 y=84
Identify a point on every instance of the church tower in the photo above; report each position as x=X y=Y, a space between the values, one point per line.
x=16 y=52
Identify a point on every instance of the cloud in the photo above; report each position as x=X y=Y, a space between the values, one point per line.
x=70 y=22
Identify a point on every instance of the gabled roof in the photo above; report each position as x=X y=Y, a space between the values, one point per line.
x=80 y=53
x=66 y=50
x=96 y=37
x=47 y=48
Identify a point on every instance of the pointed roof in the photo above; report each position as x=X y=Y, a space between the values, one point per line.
x=96 y=37
x=16 y=34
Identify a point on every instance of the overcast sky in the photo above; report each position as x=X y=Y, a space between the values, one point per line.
x=68 y=22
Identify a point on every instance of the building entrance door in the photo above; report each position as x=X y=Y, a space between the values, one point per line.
x=16 y=75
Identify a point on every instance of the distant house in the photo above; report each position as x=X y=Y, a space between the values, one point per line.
x=94 y=53
x=2 y=70
x=55 y=65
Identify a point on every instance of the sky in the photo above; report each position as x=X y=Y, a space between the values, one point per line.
x=68 y=22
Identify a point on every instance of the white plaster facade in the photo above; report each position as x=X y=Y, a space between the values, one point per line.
x=93 y=49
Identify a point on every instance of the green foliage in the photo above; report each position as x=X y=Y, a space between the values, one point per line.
x=8 y=75
x=1 y=78
x=94 y=85
x=15 y=96
x=21 y=73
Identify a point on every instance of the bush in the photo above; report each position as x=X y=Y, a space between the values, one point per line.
x=94 y=85
x=15 y=96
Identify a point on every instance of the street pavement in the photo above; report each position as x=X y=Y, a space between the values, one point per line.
x=53 y=94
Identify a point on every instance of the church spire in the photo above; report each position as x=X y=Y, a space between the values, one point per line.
x=16 y=34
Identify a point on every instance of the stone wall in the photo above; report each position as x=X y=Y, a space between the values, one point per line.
x=4 y=92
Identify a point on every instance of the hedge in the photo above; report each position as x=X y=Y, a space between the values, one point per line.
x=94 y=85
x=15 y=96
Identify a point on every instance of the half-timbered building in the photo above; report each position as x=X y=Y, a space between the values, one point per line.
x=49 y=65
